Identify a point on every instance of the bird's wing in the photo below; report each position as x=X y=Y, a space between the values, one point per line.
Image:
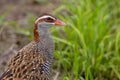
x=28 y=64
x=6 y=74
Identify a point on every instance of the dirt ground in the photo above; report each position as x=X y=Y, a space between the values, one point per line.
x=18 y=10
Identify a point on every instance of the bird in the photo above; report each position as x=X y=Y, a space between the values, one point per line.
x=33 y=61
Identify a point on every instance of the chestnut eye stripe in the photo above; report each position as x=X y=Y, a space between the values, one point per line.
x=46 y=18
x=49 y=19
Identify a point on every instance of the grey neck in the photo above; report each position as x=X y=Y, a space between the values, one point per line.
x=46 y=41
x=43 y=33
x=45 y=38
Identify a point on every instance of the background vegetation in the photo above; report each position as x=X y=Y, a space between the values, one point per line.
x=89 y=47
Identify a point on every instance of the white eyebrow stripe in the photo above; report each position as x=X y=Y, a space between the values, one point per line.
x=44 y=17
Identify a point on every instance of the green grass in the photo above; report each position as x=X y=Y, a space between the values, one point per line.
x=89 y=48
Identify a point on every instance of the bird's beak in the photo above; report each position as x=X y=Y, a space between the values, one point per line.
x=59 y=23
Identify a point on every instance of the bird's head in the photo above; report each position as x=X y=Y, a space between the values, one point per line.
x=48 y=20
x=44 y=22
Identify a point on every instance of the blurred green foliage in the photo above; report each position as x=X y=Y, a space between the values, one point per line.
x=90 y=47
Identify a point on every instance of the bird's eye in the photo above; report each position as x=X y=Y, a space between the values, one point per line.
x=49 y=19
